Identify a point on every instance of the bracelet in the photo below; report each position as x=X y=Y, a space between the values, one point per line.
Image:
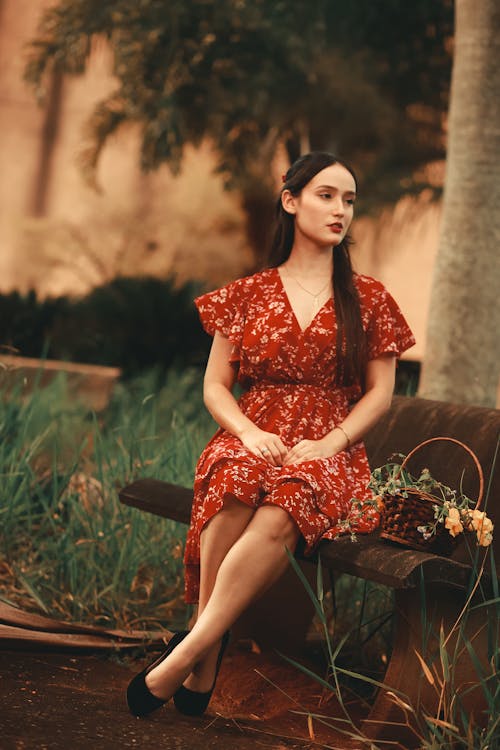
x=339 y=427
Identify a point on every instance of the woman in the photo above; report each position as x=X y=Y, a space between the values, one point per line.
x=314 y=347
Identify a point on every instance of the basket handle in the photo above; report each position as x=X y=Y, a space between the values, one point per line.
x=462 y=445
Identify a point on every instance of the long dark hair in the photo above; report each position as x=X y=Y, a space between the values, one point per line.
x=351 y=339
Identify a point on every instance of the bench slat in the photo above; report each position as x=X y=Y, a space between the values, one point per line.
x=393 y=566
x=368 y=557
x=158 y=497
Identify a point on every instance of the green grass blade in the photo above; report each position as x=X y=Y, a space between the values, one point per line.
x=307 y=586
x=31 y=591
x=481 y=674
x=423 y=611
x=443 y=655
x=308 y=672
x=319 y=582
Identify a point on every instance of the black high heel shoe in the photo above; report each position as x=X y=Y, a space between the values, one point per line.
x=140 y=699
x=191 y=702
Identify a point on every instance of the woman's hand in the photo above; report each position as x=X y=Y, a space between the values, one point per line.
x=380 y=373
x=264 y=444
x=308 y=450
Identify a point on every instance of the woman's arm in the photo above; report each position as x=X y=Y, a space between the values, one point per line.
x=220 y=377
x=380 y=376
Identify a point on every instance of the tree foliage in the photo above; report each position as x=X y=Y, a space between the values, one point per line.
x=249 y=75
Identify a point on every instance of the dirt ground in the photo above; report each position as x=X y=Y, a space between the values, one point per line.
x=56 y=701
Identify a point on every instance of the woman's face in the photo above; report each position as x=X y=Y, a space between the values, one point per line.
x=324 y=208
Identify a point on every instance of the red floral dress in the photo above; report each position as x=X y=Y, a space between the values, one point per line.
x=288 y=376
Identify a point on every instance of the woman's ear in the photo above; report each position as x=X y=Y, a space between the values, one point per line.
x=288 y=202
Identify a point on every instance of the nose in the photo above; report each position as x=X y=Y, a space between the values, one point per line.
x=338 y=208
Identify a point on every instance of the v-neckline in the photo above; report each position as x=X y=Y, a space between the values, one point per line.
x=289 y=304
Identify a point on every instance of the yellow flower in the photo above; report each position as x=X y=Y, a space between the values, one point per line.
x=482 y=525
x=480 y=521
x=484 y=538
x=453 y=522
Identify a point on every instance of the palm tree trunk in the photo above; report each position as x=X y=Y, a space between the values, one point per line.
x=462 y=360
x=48 y=139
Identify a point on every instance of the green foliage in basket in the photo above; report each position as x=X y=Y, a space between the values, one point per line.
x=452 y=508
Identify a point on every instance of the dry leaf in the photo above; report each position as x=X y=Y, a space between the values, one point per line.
x=397 y=700
x=310 y=727
x=143 y=579
x=441 y=723
x=427 y=672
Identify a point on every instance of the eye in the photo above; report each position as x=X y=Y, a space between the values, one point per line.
x=350 y=201
x=325 y=195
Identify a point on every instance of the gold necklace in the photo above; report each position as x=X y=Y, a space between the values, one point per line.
x=314 y=296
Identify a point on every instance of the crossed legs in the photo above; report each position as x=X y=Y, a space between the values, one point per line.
x=216 y=539
x=242 y=554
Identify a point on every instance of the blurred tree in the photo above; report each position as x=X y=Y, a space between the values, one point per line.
x=462 y=362
x=350 y=77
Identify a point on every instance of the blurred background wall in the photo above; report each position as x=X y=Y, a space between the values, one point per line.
x=61 y=236
x=58 y=234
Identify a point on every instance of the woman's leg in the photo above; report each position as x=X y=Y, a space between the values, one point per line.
x=216 y=540
x=254 y=562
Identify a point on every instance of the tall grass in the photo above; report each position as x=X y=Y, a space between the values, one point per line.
x=67 y=546
x=452 y=726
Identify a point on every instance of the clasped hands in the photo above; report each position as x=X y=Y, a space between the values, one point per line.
x=269 y=446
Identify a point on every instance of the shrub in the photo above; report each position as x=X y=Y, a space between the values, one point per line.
x=132 y=323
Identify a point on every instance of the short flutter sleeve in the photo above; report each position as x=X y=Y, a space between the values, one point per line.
x=224 y=310
x=387 y=331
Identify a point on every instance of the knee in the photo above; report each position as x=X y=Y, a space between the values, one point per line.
x=233 y=506
x=277 y=526
x=232 y=510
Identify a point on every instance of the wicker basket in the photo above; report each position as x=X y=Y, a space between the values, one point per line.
x=402 y=516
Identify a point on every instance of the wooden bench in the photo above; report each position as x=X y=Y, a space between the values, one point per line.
x=282 y=617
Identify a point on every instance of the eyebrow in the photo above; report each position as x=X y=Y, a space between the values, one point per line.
x=330 y=187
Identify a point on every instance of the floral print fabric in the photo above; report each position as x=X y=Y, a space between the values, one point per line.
x=288 y=377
